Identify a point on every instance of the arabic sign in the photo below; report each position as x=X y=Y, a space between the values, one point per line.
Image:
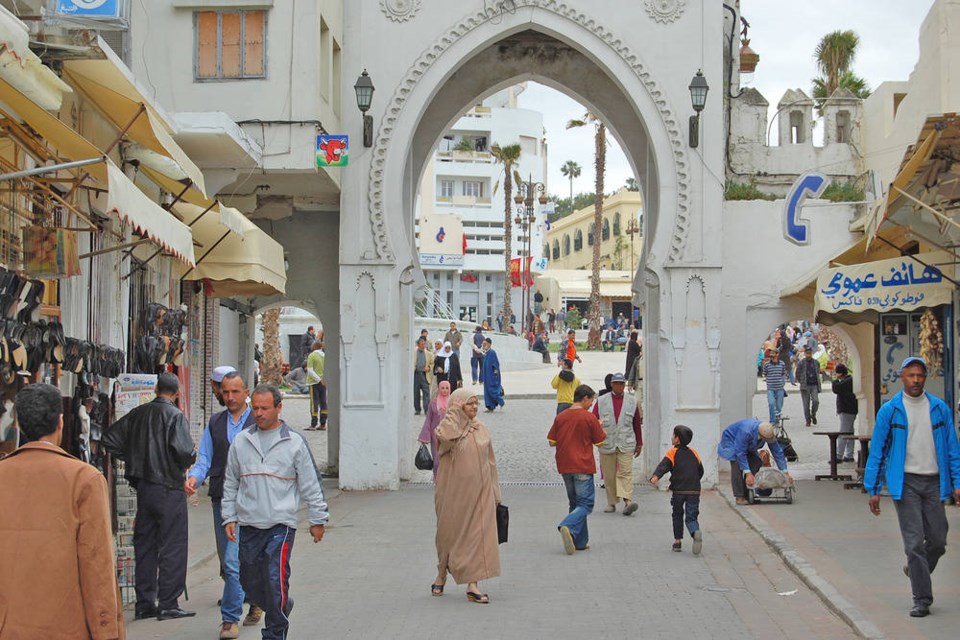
x=98 y=8
x=441 y=259
x=898 y=283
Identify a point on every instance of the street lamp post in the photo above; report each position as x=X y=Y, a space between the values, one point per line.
x=526 y=219
x=632 y=229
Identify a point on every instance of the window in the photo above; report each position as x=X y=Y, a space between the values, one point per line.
x=446 y=188
x=605 y=231
x=556 y=249
x=578 y=240
x=590 y=236
x=230 y=45
x=566 y=245
x=616 y=223
x=473 y=188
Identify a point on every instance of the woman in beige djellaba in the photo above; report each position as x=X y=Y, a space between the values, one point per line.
x=466 y=499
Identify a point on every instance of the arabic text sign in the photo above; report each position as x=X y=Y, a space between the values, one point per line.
x=441 y=259
x=899 y=283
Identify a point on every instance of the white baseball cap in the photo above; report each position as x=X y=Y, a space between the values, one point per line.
x=220 y=373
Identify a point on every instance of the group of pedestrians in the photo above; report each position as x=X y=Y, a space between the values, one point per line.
x=431 y=368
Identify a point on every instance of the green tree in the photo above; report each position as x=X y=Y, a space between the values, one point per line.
x=565 y=206
x=508 y=156
x=600 y=161
x=834 y=55
x=571 y=170
x=632 y=184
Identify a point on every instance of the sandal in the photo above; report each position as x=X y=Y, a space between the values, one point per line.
x=436 y=589
x=479 y=598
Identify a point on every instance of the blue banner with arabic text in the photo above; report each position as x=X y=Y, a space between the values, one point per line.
x=903 y=284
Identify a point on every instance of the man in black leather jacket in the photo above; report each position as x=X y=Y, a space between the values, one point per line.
x=154 y=442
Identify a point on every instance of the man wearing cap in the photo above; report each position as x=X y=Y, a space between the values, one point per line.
x=740 y=444
x=211 y=464
x=216 y=377
x=808 y=377
x=621 y=421
x=915 y=445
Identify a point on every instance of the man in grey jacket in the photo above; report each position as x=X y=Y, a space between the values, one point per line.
x=269 y=469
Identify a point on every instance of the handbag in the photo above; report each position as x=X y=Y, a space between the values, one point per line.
x=423 y=459
x=503 y=523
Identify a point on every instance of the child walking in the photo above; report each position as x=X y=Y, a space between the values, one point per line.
x=685 y=469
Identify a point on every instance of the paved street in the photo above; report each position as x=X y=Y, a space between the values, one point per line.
x=370 y=576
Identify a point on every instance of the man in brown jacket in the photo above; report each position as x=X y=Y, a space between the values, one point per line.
x=56 y=545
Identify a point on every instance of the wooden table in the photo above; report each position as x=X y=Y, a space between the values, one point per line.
x=833 y=475
x=861 y=459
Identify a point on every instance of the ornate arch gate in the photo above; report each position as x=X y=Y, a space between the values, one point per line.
x=631 y=66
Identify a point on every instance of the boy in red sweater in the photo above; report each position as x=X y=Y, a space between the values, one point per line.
x=685 y=469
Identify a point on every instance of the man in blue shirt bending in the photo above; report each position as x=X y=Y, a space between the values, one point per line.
x=211 y=464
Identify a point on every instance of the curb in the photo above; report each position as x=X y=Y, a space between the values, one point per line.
x=797 y=563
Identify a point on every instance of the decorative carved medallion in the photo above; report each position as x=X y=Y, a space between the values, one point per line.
x=400 y=10
x=665 y=10
x=406 y=86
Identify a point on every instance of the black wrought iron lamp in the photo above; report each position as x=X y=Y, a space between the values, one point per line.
x=698 y=98
x=364 y=88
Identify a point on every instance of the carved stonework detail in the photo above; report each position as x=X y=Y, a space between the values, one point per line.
x=400 y=10
x=671 y=122
x=665 y=11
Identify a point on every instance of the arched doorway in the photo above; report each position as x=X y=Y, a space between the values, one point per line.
x=479 y=55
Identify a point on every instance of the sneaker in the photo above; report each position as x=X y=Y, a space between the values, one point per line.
x=630 y=509
x=253 y=616
x=697 y=542
x=678 y=547
x=229 y=630
x=611 y=508
x=813 y=419
x=568 y=545
x=919 y=611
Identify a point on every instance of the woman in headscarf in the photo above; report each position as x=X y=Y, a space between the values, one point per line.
x=466 y=499
x=447 y=366
x=435 y=412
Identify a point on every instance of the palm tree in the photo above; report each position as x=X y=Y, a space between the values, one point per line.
x=632 y=184
x=834 y=55
x=600 y=161
x=508 y=156
x=271 y=363
x=571 y=170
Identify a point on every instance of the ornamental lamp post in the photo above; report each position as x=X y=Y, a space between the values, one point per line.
x=632 y=229
x=698 y=99
x=526 y=219
x=364 y=88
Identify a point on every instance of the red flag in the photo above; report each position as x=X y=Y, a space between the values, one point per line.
x=515 y=272
x=464 y=244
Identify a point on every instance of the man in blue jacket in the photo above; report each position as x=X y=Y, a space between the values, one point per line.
x=914 y=446
x=740 y=444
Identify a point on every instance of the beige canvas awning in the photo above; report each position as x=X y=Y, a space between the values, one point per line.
x=247 y=265
x=109 y=85
x=147 y=217
x=23 y=69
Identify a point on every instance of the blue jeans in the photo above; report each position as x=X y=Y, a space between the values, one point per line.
x=231 y=602
x=775 y=403
x=476 y=368
x=580 y=494
x=685 y=507
x=923 y=527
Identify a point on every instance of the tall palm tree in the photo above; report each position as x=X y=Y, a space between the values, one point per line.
x=600 y=162
x=834 y=55
x=508 y=156
x=571 y=170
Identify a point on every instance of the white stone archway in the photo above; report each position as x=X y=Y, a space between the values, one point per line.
x=448 y=67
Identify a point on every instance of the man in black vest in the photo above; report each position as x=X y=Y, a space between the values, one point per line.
x=211 y=464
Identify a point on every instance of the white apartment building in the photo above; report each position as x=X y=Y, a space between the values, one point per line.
x=462 y=192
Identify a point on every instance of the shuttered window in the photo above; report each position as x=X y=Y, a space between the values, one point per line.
x=230 y=45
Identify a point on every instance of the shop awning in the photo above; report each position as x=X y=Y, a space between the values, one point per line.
x=929 y=179
x=903 y=283
x=109 y=85
x=147 y=217
x=70 y=144
x=23 y=69
x=245 y=265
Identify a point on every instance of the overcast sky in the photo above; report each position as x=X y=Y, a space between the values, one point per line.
x=785 y=34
